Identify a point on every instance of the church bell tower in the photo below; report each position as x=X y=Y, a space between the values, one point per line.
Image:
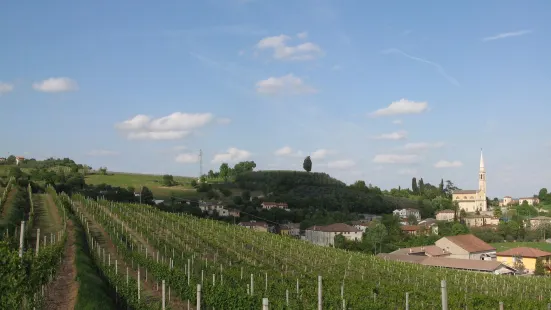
x=482 y=183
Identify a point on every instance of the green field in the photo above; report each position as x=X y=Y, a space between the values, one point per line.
x=502 y=246
x=153 y=182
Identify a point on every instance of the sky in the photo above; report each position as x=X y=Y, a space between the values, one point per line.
x=379 y=91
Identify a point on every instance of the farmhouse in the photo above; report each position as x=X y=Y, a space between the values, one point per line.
x=413 y=230
x=466 y=247
x=445 y=215
x=527 y=256
x=256 y=226
x=325 y=235
x=494 y=267
x=277 y=205
x=405 y=213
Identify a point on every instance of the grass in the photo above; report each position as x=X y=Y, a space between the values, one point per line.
x=153 y=182
x=94 y=293
x=502 y=246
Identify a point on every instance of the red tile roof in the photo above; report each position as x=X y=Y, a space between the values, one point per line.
x=453 y=263
x=470 y=243
x=524 y=252
x=411 y=227
x=428 y=250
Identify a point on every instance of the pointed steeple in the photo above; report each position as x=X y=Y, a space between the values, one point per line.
x=481 y=161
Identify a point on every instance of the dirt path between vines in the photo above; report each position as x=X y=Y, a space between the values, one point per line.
x=150 y=285
x=62 y=292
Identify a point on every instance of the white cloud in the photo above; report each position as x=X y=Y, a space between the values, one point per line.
x=103 y=153
x=399 y=135
x=180 y=148
x=448 y=164
x=287 y=84
x=417 y=146
x=187 y=158
x=402 y=106
x=320 y=154
x=282 y=51
x=396 y=159
x=56 y=85
x=287 y=151
x=410 y=172
x=302 y=35
x=341 y=164
x=157 y=135
x=223 y=121
x=174 y=126
x=232 y=155
x=397 y=122
x=507 y=35
x=284 y=151
x=6 y=88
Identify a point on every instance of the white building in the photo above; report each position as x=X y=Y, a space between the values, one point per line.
x=325 y=235
x=405 y=213
x=275 y=205
x=445 y=215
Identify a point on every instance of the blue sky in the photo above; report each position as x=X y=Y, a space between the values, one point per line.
x=141 y=86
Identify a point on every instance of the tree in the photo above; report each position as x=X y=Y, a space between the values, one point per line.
x=421 y=186
x=244 y=166
x=103 y=170
x=307 y=164
x=412 y=220
x=168 y=180
x=542 y=194
x=224 y=171
x=540 y=269
x=414 y=187
x=518 y=264
x=376 y=235
x=497 y=212
x=147 y=196
x=441 y=186
x=210 y=174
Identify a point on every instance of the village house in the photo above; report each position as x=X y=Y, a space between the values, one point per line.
x=256 y=226
x=290 y=229
x=210 y=208
x=466 y=247
x=431 y=225
x=538 y=221
x=445 y=215
x=362 y=225
x=480 y=220
x=19 y=159
x=414 y=230
x=406 y=213
x=325 y=235
x=277 y=205
x=234 y=213
x=507 y=201
x=494 y=267
x=2 y=159
x=529 y=200
x=526 y=256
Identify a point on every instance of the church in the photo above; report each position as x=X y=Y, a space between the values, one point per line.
x=473 y=200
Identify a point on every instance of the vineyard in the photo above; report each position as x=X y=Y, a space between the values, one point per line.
x=148 y=258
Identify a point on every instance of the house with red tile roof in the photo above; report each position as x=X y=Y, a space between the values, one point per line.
x=525 y=255
x=467 y=247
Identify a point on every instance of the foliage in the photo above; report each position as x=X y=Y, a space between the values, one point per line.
x=540 y=269
x=307 y=164
x=518 y=265
x=168 y=180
